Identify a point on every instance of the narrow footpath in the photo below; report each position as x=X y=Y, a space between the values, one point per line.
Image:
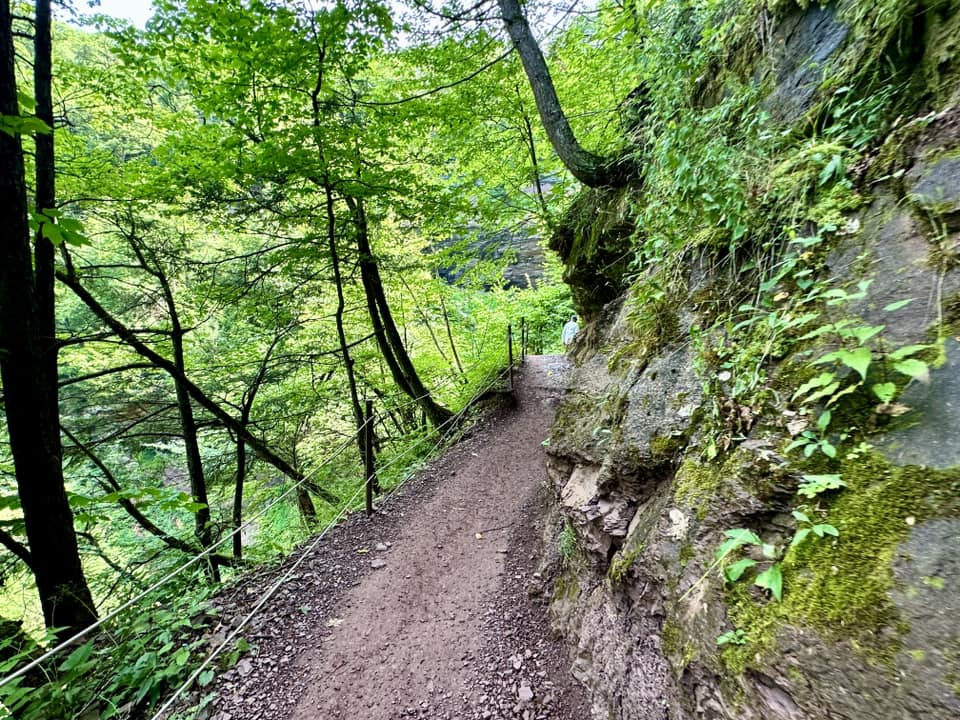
x=433 y=608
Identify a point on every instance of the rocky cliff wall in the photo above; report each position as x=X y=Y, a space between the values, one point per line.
x=757 y=465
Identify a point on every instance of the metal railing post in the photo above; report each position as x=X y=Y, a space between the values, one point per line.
x=369 y=464
x=523 y=340
x=510 y=355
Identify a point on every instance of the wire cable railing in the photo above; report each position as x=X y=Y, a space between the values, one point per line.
x=70 y=641
x=445 y=430
x=445 y=433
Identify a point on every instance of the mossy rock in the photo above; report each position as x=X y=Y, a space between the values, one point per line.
x=594 y=242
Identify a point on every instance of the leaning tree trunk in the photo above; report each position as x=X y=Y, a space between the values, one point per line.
x=28 y=357
x=130 y=338
x=388 y=337
x=590 y=169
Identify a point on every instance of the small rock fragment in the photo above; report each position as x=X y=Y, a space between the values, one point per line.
x=525 y=693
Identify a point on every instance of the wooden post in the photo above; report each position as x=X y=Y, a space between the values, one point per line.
x=510 y=355
x=369 y=465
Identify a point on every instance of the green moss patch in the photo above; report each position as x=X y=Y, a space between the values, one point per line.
x=841 y=588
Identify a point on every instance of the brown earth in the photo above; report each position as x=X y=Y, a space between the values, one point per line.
x=431 y=608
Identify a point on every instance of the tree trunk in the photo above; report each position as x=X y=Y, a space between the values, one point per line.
x=388 y=337
x=358 y=418
x=530 y=142
x=425 y=319
x=200 y=397
x=592 y=170
x=239 y=482
x=453 y=345
x=26 y=360
x=246 y=409
x=188 y=422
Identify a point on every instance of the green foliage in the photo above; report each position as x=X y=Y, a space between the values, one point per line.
x=813 y=485
x=770 y=578
x=143 y=653
x=737 y=637
x=807 y=526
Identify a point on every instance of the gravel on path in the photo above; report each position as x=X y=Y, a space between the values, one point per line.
x=430 y=608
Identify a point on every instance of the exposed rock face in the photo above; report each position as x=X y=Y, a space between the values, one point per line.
x=869 y=623
x=802 y=45
x=522 y=249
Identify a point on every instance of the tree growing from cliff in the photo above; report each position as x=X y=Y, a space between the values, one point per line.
x=589 y=168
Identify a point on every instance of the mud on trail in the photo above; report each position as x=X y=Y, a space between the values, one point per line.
x=429 y=609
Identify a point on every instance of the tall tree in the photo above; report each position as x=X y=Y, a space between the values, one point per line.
x=150 y=264
x=27 y=344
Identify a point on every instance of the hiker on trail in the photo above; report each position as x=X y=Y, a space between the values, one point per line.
x=570 y=331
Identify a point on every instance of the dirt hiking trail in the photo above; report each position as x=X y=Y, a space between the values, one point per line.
x=433 y=607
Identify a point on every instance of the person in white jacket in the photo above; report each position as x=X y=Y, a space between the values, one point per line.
x=570 y=331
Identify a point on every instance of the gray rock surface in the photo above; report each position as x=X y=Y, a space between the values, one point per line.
x=927 y=569
x=643 y=596
x=935 y=186
x=802 y=46
x=929 y=434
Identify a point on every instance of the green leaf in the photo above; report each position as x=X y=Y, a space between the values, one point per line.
x=181 y=656
x=747 y=536
x=819 y=381
x=818 y=332
x=906 y=351
x=772 y=580
x=205 y=678
x=27 y=101
x=52 y=233
x=828 y=449
x=735 y=571
x=823 y=392
x=737 y=637
x=769 y=551
x=737 y=538
x=833 y=169
x=799 y=536
x=862 y=333
x=825 y=529
x=858 y=359
x=813 y=485
x=77 y=657
x=917 y=369
x=898 y=304
x=16 y=125
x=846 y=391
x=824 y=420
x=885 y=392
x=801 y=516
